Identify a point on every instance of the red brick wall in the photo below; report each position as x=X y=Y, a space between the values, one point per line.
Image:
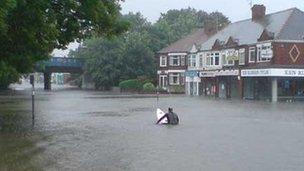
x=282 y=54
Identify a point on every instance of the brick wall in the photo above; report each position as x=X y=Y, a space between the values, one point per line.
x=288 y=53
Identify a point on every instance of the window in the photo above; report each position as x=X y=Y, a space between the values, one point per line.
x=231 y=56
x=174 y=60
x=200 y=60
x=183 y=60
x=193 y=60
x=252 y=54
x=212 y=59
x=242 y=57
x=174 y=79
x=163 y=81
x=224 y=58
x=264 y=52
x=208 y=59
x=216 y=59
x=163 y=61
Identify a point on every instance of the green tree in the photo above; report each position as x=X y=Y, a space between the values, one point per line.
x=132 y=54
x=128 y=56
x=31 y=29
x=176 y=24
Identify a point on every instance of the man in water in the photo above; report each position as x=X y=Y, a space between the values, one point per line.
x=172 y=117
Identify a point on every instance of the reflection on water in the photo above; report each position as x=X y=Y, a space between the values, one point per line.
x=86 y=130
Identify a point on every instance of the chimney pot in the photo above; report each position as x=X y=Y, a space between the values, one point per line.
x=258 y=12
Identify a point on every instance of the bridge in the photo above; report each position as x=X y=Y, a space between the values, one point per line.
x=59 y=65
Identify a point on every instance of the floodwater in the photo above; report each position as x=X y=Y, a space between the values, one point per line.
x=87 y=130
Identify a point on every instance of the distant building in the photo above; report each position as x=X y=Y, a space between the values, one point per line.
x=172 y=61
x=258 y=58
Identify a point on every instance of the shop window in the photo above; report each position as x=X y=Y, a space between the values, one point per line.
x=163 y=61
x=174 y=79
x=264 y=52
x=242 y=57
x=252 y=55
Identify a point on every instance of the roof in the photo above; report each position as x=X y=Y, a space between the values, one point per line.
x=185 y=44
x=284 y=25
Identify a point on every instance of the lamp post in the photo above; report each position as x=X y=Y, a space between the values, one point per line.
x=32 y=81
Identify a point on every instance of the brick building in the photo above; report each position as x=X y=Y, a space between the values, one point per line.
x=258 y=58
x=172 y=61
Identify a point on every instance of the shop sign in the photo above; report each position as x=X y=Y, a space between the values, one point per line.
x=273 y=72
x=191 y=74
x=227 y=73
x=207 y=74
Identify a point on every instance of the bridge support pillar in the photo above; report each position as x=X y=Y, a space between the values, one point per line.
x=87 y=82
x=47 y=80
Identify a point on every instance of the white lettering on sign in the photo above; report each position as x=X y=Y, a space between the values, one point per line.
x=272 y=72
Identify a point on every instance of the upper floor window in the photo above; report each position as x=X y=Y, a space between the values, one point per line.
x=231 y=56
x=200 y=60
x=264 y=52
x=216 y=59
x=183 y=60
x=242 y=57
x=174 y=60
x=209 y=59
x=252 y=54
x=163 y=61
x=193 y=61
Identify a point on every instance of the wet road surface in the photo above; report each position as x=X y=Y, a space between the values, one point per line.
x=87 y=130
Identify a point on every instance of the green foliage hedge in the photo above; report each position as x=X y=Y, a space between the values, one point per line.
x=130 y=85
x=149 y=87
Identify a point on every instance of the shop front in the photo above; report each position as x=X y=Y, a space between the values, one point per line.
x=273 y=84
x=192 y=83
x=209 y=85
x=228 y=81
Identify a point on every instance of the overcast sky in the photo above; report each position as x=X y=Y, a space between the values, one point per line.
x=234 y=9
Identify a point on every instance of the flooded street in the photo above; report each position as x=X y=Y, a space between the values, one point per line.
x=87 y=130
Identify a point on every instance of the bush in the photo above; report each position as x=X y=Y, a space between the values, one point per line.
x=8 y=75
x=130 y=85
x=149 y=87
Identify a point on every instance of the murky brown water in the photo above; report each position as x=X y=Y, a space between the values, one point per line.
x=86 y=130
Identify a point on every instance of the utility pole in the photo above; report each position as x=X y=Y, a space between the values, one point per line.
x=32 y=81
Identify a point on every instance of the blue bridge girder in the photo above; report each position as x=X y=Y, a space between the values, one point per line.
x=61 y=64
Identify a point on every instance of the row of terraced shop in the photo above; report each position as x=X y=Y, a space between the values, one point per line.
x=259 y=58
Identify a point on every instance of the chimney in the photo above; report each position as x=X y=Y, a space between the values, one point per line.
x=258 y=12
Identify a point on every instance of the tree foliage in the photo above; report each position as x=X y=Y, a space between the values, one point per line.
x=132 y=54
x=31 y=29
x=176 y=24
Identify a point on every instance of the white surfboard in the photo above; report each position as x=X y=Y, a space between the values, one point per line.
x=159 y=114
